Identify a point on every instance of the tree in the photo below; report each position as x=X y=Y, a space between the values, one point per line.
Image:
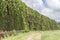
x=15 y=14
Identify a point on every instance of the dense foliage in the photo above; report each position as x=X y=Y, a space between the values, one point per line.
x=14 y=14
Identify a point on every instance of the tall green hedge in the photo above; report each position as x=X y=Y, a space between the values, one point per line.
x=14 y=14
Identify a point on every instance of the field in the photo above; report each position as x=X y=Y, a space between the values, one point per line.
x=37 y=35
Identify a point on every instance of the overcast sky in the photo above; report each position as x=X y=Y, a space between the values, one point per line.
x=50 y=8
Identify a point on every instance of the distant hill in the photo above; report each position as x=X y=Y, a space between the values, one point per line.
x=14 y=14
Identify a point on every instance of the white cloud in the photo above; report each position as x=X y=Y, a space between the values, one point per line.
x=53 y=11
x=35 y=4
x=54 y=4
x=51 y=14
x=47 y=12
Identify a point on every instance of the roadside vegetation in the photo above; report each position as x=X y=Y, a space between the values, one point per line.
x=45 y=35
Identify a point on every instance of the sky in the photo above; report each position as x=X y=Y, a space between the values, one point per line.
x=50 y=8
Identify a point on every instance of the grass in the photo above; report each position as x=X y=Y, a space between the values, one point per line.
x=51 y=35
x=17 y=37
x=46 y=35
